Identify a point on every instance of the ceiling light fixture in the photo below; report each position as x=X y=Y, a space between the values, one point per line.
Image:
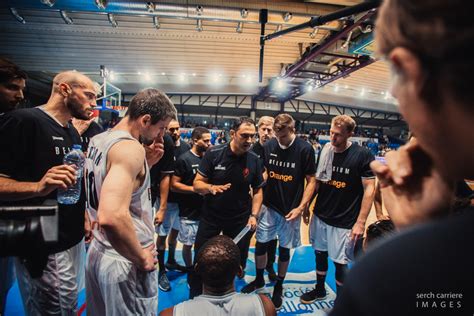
x=240 y=27
x=111 y=19
x=199 y=10
x=17 y=16
x=279 y=27
x=156 y=22
x=314 y=32
x=244 y=13
x=287 y=16
x=65 y=17
x=49 y=3
x=199 y=27
x=150 y=7
x=101 y=4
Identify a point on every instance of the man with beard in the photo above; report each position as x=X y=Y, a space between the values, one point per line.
x=12 y=83
x=265 y=133
x=120 y=272
x=225 y=177
x=34 y=142
x=171 y=223
x=190 y=203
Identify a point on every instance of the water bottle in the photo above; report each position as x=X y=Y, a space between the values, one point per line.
x=76 y=158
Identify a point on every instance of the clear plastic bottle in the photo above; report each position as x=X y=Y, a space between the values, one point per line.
x=72 y=193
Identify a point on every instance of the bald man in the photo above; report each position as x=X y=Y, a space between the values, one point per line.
x=34 y=142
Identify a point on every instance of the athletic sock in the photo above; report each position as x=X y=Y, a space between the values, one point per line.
x=259 y=278
x=171 y=252
x=161 y=261
x=320 y=280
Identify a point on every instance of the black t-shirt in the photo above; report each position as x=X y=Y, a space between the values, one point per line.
x=32 y=142
x=164 y=166
x=287 y=169
x=257 y=148
x=177 y=152
x=421 y=271
x=221 y=166
x=190 y=205
x=90 y=132
x=339 y=200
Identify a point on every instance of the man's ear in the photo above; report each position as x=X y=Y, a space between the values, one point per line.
x=232 y=133
x=64 y=89
x=146 y=120
x=408 y=66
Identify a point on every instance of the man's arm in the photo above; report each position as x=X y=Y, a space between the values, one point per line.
x=307 y=195
x=126 y=160
x=201 y=185
x=57 y=177
x=378 y=203
x=367 y=200
x=178 y=186
x=167 y=312
x=257 y=201
x=164 y=191
x=267 y=305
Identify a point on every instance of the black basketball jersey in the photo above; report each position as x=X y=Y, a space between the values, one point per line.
x=287 y=169
x=190 y=205
x=177 y=152
x=90 y=132
x=339 y=200
x=32 y=142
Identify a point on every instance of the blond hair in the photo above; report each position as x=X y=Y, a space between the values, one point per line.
x=344 y=120
x=265 y=120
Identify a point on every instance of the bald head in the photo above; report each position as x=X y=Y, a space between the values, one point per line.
x=76 y=91
x=73 y=79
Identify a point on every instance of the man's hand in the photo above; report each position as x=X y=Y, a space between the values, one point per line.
x=294 y=213
x=57 y=177
x=412 y=189
x=357 y=231
x=215 y=189
x=87 y=229
x=252 y=223
x=160 y=216
x=306 y=215
x=81 y=125
x=155 y=151
x=149 y=259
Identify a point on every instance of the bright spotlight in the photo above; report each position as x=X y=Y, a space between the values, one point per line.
x=147 y=76
x=280 y=85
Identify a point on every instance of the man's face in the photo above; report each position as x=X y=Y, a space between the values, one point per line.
x=11 y=94
x=149 y=132
x=173 y=130
x=265 y=132
x=203 y=143
x=81 y=100
x=283 y=132
x=244 y=136
x=339 y=135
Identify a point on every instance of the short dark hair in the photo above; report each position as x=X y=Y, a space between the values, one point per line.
x=9 y=71
x=218 y=262
x=198 y=132
x=241 y=120
x=379 y=229
x=153 y=102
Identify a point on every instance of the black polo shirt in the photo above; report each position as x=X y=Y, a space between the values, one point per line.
x=221 y=166
x=339 y=200
x=90 y=132
x=257 y=148
x=190 y=205
x=183 y=147
x=287 y=170
x=32 y=142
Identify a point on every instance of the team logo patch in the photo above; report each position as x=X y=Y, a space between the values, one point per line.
x=246 y=172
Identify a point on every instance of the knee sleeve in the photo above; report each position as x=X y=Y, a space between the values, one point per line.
x=321 y=260
x=284 y=254
x=340 y=272
x=260 y=248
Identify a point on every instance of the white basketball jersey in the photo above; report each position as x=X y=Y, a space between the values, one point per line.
x=237 y=304
x=96 y=169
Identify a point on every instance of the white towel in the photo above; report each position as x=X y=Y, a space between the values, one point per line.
x=324 y=171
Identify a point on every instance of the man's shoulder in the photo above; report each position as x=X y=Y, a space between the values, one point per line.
x=24 y=115
x=216 y=149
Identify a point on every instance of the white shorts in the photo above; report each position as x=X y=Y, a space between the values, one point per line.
x=187 y=231
x=55 y=292
x=114 y=286
x=324 y=237
x=272 y=224
x=171 y=220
